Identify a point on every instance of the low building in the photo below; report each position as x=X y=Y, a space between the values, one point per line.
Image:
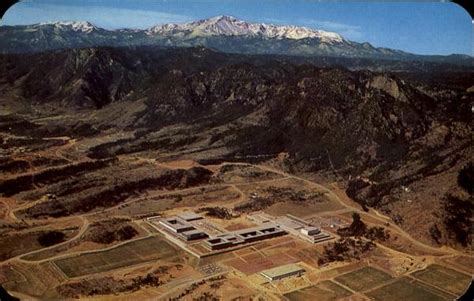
x=176 y=224
x=320 y=237
x=231 y=239
x=283 y=272
x=289 y=224
x=223 y=241
x=267 y=230
x=310 y=230
x=218 y=243
x=301 y=229
x=193 y=234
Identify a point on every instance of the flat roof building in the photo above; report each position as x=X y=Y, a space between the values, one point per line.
x=176 y=224
x=193 y=234
x=310 y=230
x=223 y=241
x=283 y=271
x=187 y=227
x=265 y=231
x=289 y=224
x=301 y=229
x=320 y=237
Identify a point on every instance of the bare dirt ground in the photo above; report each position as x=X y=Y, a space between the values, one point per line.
x=32 y=271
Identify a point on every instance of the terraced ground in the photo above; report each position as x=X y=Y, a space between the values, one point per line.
x=406 y=289
x=363 y=279
x=440 y=276
x=324 y=291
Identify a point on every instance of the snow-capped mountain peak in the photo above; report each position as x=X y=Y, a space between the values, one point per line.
x=215 y=26
x=231 y=26
x=82 y=26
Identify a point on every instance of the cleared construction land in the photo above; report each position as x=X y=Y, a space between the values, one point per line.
x=100 y=255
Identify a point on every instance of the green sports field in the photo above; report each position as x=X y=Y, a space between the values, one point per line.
x=139 y=251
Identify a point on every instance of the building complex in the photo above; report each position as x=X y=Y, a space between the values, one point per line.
x=200 y=237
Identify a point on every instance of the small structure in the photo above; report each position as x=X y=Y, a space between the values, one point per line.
x=283 y=272
x=194 y=234
x=310 y=230
x=315 y=238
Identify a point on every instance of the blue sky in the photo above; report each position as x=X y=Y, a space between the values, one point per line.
x=423 y=28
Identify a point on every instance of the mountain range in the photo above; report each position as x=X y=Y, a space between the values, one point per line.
x=102 y=129
x=374 y=119
x=376 y=132
x=222 y=33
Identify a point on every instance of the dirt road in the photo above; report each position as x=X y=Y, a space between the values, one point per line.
x=372 y=214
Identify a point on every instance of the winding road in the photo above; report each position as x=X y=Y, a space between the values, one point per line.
x=334 y=194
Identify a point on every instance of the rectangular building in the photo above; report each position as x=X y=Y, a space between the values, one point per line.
x=301 y=229
x=193 y=234
x=176 y=224
x=282 y=272
x=267 y=230
x=320 y=237
x=310 y=230
x=223 y=241
x=289 y=224
x=231 y=239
